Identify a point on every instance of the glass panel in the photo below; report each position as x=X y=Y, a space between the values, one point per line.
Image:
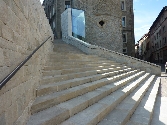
x=78 y=23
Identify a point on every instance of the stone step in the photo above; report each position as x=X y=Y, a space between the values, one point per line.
x=73 y=65
x=144 y=112
x=122 y=113
x=77 y=62
x=77 y=58
x=73 y=56
x=57 y=77
x=62 y=111
x=55 y=98
x=95 y=113
x=84 y=77
x=80 y=69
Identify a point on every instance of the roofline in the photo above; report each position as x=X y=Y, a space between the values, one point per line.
x=164 y=9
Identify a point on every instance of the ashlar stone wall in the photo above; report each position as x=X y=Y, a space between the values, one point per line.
x=23 y=27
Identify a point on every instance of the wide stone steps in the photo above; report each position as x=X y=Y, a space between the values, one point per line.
x=91 y=97
x=81 y=69
x=121 y=114
x=95 y=113
x=61 y=75
x=77 y=58
x=61 y=83
x=54 y=63
x=56 y=66
x=78 y=88
x=144 y=112
x=73 y=56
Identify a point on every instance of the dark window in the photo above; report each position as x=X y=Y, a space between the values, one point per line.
x=124 y=50
x=123 y=21
x=122 y=5
x=163 y=28
x=67 y=4
x=160 y=33
x=124 y=38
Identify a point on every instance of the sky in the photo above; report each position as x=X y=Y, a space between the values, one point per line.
x=145 y=13
x=41 y=1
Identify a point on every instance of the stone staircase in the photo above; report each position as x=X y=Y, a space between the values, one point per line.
x=80 y=89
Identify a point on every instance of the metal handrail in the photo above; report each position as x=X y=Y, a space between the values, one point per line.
x=10 y=75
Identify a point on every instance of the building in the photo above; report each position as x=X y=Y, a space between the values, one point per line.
x=53 y=10
x=142 y=46
x=156 y=46
x=159 y=35
x=137 y=51
x=111 y=27
x=128 y=27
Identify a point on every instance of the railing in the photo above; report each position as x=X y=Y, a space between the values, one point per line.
x=10 y=75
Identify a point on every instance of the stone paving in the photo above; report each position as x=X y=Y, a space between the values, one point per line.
x=160 y=111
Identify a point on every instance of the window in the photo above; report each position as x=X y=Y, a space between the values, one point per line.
x=53 y=10
x=165 y=40
x=124 y=50
x=122 y=5
x=53 y=24
x=50 y=15
x=124 y=21
x=67 y=4
x=124 y=37
x=159 y=33
x=163 y=28
x=157 y=45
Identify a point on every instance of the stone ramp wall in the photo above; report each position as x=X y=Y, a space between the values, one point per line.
x=23 y=27
x=100 y=51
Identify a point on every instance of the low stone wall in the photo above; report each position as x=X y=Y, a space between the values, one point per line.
x=23 y=27
x=112 y=55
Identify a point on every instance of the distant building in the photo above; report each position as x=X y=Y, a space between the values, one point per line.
x=142 y=46
x=156 y=41
x=111 y=27
x=137 y=51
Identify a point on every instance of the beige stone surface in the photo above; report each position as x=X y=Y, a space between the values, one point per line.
x=21 y=31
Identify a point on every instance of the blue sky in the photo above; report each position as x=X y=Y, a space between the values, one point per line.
x=145 y=13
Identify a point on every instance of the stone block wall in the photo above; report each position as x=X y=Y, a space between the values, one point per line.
x=23 y=27
x=109 y=34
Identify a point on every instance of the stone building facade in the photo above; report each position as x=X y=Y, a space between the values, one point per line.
x=103 y=22
x=128 y=27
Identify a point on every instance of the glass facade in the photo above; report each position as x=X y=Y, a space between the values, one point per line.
x=78 y=24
